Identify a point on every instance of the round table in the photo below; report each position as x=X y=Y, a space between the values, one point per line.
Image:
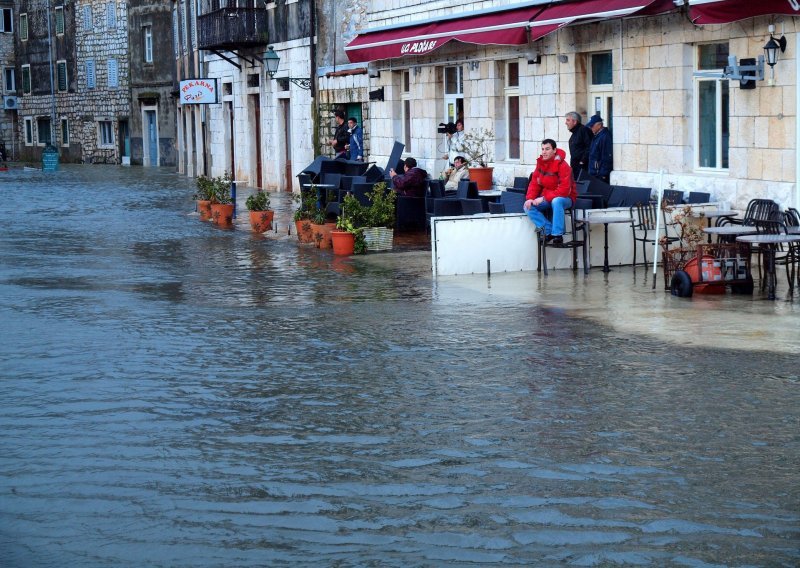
x=768 y=243
x=605 y=221
x=728 y=233
x=712 y=213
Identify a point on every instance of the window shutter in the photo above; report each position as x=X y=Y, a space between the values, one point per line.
x=90 y=74
x=193 y=25
x=87 y=17
x=113 y=74
x=175 y=30
x=111 y=15
x=61 y=71
x=23 y=27
x=59 y=20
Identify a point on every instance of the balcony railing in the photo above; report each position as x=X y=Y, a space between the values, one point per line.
x=233 y=28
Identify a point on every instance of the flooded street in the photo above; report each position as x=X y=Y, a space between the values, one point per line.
x=178 y=395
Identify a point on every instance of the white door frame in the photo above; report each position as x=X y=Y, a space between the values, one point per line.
x=146 y=158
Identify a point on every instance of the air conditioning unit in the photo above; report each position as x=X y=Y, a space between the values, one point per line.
x=10 y=103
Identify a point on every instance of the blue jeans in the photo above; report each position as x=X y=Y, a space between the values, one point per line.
x=558 y=205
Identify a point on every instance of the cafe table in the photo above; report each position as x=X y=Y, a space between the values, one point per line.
x=769 y=244
x=728 y=233
x=606 y=220
x=714 y=214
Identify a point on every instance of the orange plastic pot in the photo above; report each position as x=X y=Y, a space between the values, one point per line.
x=204 y=208
x=222 y=214
x=344 y=243
x=261 y=221
x=482 y=177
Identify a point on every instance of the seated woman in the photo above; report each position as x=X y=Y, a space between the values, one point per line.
x=551 y=189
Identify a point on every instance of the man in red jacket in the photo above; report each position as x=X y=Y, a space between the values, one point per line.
x=551 y=189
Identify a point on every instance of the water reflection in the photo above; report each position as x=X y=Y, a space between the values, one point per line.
x=183 y=396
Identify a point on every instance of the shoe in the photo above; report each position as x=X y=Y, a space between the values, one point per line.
x=548 y=238
x=557 y=239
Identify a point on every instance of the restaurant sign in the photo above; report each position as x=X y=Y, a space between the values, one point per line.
x=198 y=91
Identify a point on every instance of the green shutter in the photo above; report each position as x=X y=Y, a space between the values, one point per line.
x=61 y=70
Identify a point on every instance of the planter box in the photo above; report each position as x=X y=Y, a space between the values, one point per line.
x=378 y=238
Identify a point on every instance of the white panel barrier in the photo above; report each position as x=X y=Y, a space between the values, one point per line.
x=463 y=245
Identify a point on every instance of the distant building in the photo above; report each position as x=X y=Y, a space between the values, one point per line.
x=8 y=87
x=86 y=111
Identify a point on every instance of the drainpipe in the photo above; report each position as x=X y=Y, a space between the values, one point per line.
x=313 y=76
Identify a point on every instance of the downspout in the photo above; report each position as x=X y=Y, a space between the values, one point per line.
x=313 y=76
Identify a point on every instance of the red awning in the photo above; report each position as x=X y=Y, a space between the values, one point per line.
x=508 y=27
x=726 y=11
x=565 y=13
x=500 y=28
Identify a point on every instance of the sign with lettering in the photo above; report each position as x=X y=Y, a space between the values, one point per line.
x=198 y=91
x=418 y=47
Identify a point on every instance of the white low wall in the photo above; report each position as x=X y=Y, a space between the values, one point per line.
x=463 y=245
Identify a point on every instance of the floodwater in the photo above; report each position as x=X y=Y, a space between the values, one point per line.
x=173 y=394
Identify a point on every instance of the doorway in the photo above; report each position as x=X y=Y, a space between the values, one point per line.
x=286 y=114
x=124 y=142
x=229 y=159
x=255 y=146
x=150 y=123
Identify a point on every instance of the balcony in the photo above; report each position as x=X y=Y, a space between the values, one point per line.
x=232 y=29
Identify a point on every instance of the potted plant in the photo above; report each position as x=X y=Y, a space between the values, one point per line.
x=477 y=145
x=379 y=222
x=260 y=214
x=320 y=230
x=205 y=189
x=348 y=237
x=306 y=203
x=221 y=202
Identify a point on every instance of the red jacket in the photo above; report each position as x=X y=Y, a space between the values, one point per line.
x=552 y=179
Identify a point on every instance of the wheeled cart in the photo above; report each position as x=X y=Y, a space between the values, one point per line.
x=708 y=269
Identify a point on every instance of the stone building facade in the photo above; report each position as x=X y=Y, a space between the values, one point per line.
x=638 y=71
x=87 y=112
x=8 y=80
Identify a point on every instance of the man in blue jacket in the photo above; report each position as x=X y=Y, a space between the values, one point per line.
x=356 y=144
x=601 y=153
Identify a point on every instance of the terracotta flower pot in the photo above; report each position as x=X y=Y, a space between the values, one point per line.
x=304 y=230
x=204 y=208
x=321 y=234
x=222 y=214
x=261 y=221
x=481 y=176
x=344 y=243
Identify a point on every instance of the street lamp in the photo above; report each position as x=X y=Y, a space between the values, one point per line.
x=272 y=61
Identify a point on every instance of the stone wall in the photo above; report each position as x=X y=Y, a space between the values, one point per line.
x=8 y=118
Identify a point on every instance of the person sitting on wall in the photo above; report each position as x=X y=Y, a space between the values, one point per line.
x=601 y=153
x=340 y=136
x=413 y=182
x=551 y=188
x=355 y=147
x=458 y=172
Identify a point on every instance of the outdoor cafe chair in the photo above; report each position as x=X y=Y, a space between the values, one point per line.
x=672 y=197
x=698 y=197
x=444 y=207
x=471 y=206
x=510 y=202
x=643 y=226
x=578 y=236
x=466 y=190
x=360 y=190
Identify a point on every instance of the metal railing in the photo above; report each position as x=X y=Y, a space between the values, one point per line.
x=233 y=28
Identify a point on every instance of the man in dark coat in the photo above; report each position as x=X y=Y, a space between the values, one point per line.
x=601 y=153
x=340 y=136
x=579 y=143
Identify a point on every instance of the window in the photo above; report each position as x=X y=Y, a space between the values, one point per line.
x=6 y=20
x=61 y=75
x=512 y=111
x=111 y=15
x=147 y=34
x=9 y=80
x=87 y=17
x=601 y=69
x=90 y=74
x=23 y=27
x=28 y=131
x=59 y=13
x=405 y=101
x=712 y=111
x=64 y=132
x=26 y=79
x=453 y=93
x=105 y=134
x=113 y=74
x=43 y=130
